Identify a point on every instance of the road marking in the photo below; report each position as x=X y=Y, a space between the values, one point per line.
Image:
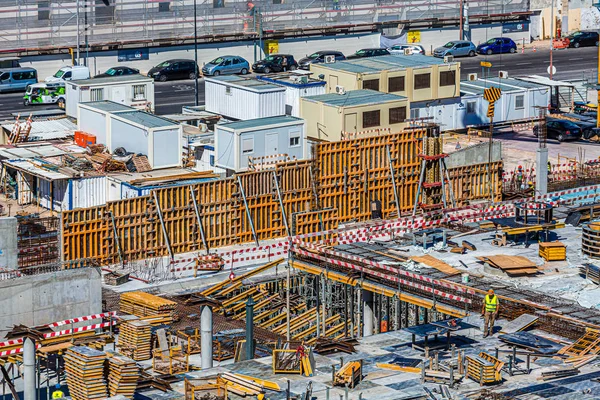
x=527 y=63
x=576 y=59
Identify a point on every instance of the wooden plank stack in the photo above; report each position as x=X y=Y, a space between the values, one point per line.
x=511 y=265
x=85 y=373
x=484 y=368
x=553 y=251
x=123 y=375
x=144 y=304
x=135 y=340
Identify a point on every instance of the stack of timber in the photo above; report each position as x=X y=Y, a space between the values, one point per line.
x=135 y=340
x=122 y=376
x=511 y=265
x=85 y=373
x=144 y=304
x=436 y=263
x=590 y=240
x=553 y=251
x=591 y=272
x=484 y=368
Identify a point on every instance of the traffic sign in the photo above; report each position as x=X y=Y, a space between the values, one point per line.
x=486 y=64
x=551 y=70
x=490 y=111
x=492 y=94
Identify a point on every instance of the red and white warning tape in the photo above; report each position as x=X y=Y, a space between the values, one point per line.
x=81 y=319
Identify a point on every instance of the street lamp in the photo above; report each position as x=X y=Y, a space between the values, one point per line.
x=195 y=56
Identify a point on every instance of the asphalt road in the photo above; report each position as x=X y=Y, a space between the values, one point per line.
x=569 y=63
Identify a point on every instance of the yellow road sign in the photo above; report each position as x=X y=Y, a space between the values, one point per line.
x=413 y=37
x=486 y=64
x=271 y=46
x=492 y=94
x=490 y=111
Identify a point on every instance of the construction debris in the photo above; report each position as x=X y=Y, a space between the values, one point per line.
x=350 y=374
x=511 y=265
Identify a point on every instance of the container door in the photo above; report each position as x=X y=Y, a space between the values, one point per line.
x=271 y=141
x=350 y=123
x=333 y=81
x=118 y=95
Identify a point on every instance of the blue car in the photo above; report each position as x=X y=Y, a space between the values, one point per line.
x=226 y=65
x=497 y=46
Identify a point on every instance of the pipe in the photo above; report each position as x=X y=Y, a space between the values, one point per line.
x=206 y=336
x=29 y=369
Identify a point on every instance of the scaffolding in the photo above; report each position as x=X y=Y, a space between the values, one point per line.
x=34 y=25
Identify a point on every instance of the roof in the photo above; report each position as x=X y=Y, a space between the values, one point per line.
x=146 y=119
x=354 y=98
x=542 y=80
x=506 y=85
x=35 y=167
x=393 y=62
x=287 y=81
x=111 y=79
x=29 y=150
x=107 y=106
x=46 y=130
x=250 y=84
x=261 y=122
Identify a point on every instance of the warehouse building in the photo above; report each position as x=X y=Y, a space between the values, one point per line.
x=332 y=117
x=417 y=77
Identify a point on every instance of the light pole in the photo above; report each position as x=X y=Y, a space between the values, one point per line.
x=551 y=37
x=196 y=57
x=78 y=32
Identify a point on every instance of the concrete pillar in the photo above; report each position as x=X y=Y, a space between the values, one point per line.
x=29 y=369
x=367 y=313
x=8 y=243
x=206 y=336
x=541 y=176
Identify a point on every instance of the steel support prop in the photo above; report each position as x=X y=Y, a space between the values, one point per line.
x=197 y=211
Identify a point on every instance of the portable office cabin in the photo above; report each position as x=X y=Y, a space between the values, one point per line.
x=243 y=98
x=93 y=117
x=296 y=86
x=275 y=137
x=329 y=116
x=132 y=90
x=417 y=77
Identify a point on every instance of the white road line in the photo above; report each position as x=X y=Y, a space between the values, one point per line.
x=576 y=59
x=527 y=63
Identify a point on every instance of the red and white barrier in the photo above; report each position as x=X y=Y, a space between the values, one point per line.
x=81 y=319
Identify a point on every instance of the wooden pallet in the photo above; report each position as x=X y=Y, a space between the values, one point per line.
x=589 y=343
x=135 y=340
x=85 y=373
x=484 y=368
x=553 y=251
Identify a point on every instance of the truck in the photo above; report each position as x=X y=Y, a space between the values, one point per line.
x=69 y=73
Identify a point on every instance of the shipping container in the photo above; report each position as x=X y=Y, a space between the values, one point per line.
x=297 y=85
x=93 y=117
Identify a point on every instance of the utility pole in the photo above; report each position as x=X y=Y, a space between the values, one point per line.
x=461 y=20
x=196 y=55
x=598 y=88
x=551 y=38
x=78 y=32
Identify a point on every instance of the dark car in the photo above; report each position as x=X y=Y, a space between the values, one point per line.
x=321 y=57
x=561 y=130
x=118 y=71
x=275 y=63
x=174 y=69
x=583 y=38
x=497 y=46
x=369 y=53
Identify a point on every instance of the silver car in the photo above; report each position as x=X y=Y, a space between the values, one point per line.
x=456 y=48
x=412 y=49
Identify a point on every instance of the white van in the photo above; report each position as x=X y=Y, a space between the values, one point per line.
x=70 y=73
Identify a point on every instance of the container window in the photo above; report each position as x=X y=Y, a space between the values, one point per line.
x=371 y=119
x=447 y=78
x=397 y=115
x=43 y=10
x=248 y=146
x=396 y=84
x=422 y=81
x=471 y=107
x=139 y=92
x=519 y=102
x=415 y=113
x=372 y=84
x=212 y=161
x=228 y=90
x=294 y=139
x=97 y=94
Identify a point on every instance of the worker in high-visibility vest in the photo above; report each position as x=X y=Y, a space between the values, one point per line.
x=58 y=394
x=489 y=312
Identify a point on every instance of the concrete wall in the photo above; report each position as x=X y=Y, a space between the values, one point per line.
x=8 y=243
x=43 y=299
x=477 y=154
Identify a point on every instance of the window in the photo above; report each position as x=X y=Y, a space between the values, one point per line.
x=519 y=102
x=396 y=84
x=139 y=92
x=97 y=94
x=447 y=78
x=371 y=118
x=67 y=75
x=43 y=10
x=228 y=90
x=164 y=6
x=21 y=76
x=397 y=115
x=218 y=3
x=247 y=146
x=4 y=76
x=372 y=84
x=415 y=113
x=211 y=160
x=294 y=139
x=471 y=107
x=422 y=81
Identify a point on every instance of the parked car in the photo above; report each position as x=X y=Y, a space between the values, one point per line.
x=174 y=69
x=69 y=73
x=456 y=48
x=118 y=71
x=45 y=93
x=275 y=63
x=362 y=53
x=17 y=79
x=320 y=57
x=583 y=38
x=226 y=65
x=413 y=48
x=9 y=62
x=560 y=129
x=497 y=46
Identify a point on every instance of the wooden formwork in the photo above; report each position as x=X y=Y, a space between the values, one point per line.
x=336 y=186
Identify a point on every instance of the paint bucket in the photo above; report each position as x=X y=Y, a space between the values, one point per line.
x=465 y=278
